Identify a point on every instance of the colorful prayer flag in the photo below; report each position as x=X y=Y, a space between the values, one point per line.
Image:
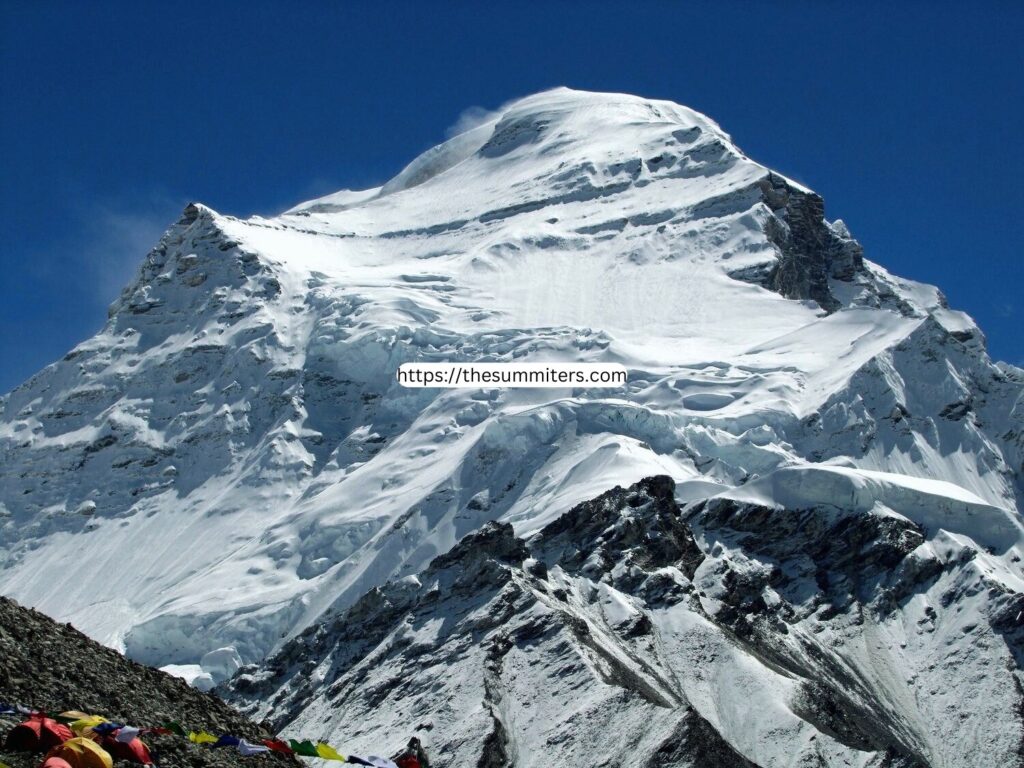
x=305 y=748
x=278 y=746
x=202 y=738
x=126 y=734
x=106 y=727
x=247 y=748
x=175 y=727
x=327 y=752
x=85 y=726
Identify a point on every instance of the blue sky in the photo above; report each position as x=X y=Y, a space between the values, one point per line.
x=907 y=120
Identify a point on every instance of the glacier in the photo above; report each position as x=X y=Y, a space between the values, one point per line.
x=229 y=463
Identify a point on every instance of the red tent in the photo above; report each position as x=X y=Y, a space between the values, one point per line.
x=55 y=762
x=135 y=750
x=37 y=734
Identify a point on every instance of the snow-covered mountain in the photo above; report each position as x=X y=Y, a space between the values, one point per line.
x=231 y=457
x=728 y=633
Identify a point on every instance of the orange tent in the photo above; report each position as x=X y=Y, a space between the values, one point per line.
x=81 y=752
x=37 y=734
x=134 y=751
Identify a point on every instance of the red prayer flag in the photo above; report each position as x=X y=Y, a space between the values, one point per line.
x=278 y=746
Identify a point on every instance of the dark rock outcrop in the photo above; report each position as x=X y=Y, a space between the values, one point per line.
x=596 y=601
x=811 y=251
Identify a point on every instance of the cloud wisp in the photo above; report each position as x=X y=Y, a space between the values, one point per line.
x=115 y=236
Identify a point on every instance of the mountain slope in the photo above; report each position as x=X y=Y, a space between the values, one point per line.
x=633 y=632
x=234 y=455
x=55 y=668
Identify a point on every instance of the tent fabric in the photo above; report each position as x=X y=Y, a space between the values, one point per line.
x=71 y=715
x=55 y=762
x=134 y=750
x=81 y=752
x=37 y=734
x=83 y=726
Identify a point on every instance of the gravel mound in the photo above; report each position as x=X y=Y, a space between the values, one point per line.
x=54 y=667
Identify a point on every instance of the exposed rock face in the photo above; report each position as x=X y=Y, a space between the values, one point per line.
x=812 y=251
x=631 y=631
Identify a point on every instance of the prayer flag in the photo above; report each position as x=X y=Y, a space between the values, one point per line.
x=127 y=733
x=305 y=748
x=175 y=727
x=246 y=748
x=106 y=728
x=327 y=752
x=278 y=746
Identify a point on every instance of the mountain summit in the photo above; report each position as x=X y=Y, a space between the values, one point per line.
x=230 y=459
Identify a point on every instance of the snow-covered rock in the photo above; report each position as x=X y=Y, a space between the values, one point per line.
x=231 y=455
x=635 y=632
x=193 y=674
x=222 y=663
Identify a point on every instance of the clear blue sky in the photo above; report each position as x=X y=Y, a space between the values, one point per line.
x=112 y=116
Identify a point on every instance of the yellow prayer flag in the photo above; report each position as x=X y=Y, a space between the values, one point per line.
x=327 y=752
x=202 y=738
x=84 y=725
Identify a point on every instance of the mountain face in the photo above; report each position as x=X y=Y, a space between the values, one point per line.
x=230 y=459
x=631 y=631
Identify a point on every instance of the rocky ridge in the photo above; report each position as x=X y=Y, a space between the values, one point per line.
x=633 y=631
